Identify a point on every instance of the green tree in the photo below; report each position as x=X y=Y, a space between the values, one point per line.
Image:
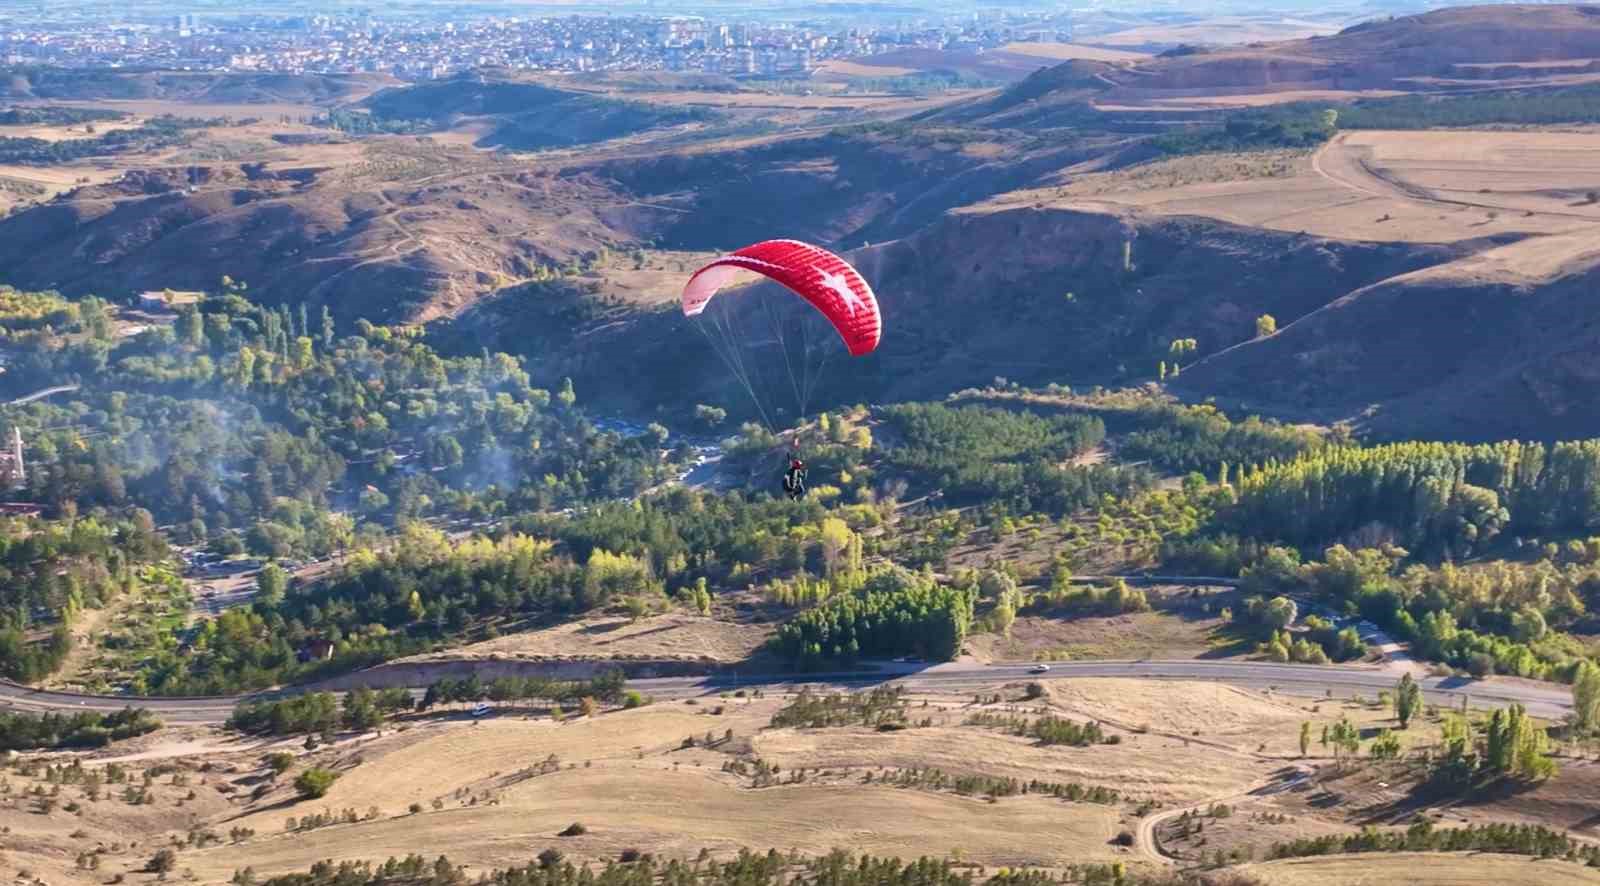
x=1305 y=738
x=1586 y=696
x=314 y=783
x=1498 y=745
x=191 y=327
x=710 y=416
x=272 y=582
x=1407 y=700
x=361 y=709
x=1345 y=738
x=1279 y=613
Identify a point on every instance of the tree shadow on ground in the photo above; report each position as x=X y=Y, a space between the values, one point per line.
x=1426 y=795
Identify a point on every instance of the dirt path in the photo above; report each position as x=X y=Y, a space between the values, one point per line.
x=85 y=630
x=1145 y=838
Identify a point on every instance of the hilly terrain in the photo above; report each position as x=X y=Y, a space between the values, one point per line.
x=523 y=116
x=58 y=84
x=1216 y=509
x=1064 y=228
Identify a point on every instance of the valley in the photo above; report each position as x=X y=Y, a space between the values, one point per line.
x=1217 y=509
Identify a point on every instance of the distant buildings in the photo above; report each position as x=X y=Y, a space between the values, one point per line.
x=421 y=49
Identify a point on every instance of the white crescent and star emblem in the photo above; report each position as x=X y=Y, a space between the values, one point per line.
x=841 y=285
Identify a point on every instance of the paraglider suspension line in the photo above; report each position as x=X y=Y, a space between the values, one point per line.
x=725 y=344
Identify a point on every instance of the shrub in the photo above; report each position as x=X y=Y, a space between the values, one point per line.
x=549 y=858
x=415 y=808
x=164 y=861
x=314 y=782
x=280 y=762
x=576 y=829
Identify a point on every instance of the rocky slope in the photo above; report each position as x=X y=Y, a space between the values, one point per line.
x=1496 y=345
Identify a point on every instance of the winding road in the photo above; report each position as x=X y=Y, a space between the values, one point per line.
x=1342 y=680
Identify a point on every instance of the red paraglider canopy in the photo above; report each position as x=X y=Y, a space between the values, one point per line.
x=811 y=272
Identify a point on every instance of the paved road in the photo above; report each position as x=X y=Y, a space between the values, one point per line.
x=1313 y=680
x=37 y=395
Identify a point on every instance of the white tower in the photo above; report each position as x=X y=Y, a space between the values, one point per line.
x=19 y=477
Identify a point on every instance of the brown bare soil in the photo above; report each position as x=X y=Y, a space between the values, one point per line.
x=670 y=637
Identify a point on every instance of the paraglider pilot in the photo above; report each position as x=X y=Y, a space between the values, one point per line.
x=794 y=479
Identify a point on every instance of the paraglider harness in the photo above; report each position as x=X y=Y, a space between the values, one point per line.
x=794 y=479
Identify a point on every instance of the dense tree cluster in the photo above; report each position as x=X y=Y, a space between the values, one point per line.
x=608 y=686
x=1046 y=730
x=1433 y=498
x=1575 y=105
x=319 y=712
x=896 y=612
x=27 y=732
x=1510 y=745
x=685 y=535
x=991 y=786
x=355 y=123
x=1422 y=836
x=55 y=115
x=1500 y=617
x=1287 y=126
x=883 y=706
x=1066 y=598
x=263 y=419
x=1202 y=438
x=979 y=454
x=423 y=592
x=153 y=134
x=50 y=571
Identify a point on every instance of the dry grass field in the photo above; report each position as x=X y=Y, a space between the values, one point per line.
x=237 y=111
x=846 y=68
x=675 y=636
x=1068 y=51
x=1161 y=634
x=1220 y=30
x=1424 y=869
x=496 y=792
x=1420 y=187
x=66 y=133
x=624 y=776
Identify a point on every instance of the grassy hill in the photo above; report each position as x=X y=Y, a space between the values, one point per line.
x=526 y=116
x=1514 y=360
x=38 y=82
